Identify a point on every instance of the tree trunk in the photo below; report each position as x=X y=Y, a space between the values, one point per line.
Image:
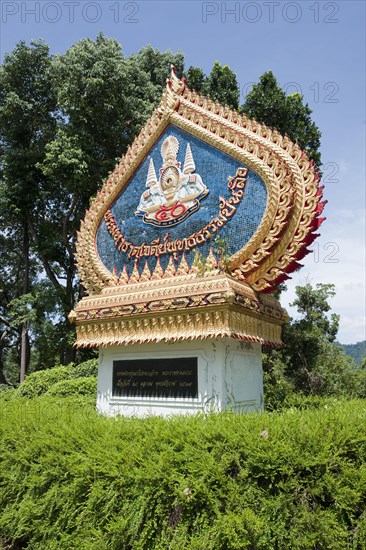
x=7 y=329
x=24 y=340
x=70 y=351
x=2 y=375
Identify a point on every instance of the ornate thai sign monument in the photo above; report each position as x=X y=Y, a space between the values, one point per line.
x=203 y=217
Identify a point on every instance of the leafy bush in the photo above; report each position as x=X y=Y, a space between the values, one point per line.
x=359 y=383
x=311 y=362
x=71 y=478
x=302 y=402
x=277 y=387
x=7 y=392
x=76 y=386
x=88 y=368
x=39 y=382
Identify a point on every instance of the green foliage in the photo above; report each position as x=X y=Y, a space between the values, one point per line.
x=313 y=304
x=289 y=481
x=87 y=368
x=356 y=351
x=39 y=382
x=61 y=381
x=27 y=123
x=359 y=383
x=21 y=309
x=195 y=78
x=296 y=400
x=277 y=386
x=221 y=85
x=7 y=392
x=157 y=66
x=268 y=103
x=311 y=362
x=76 y=386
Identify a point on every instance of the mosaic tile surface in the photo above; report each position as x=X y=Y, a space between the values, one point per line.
x=214 y=167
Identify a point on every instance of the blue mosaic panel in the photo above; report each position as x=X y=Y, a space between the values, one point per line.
x=214 y=167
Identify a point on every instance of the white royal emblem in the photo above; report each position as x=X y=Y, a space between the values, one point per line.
x=173 y=197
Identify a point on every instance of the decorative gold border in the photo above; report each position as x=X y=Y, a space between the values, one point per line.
x=177 y=293
x=293 y=206
x=218 y=322
x=183 y=307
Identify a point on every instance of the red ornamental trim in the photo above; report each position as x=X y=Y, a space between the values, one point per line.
x=166 y=213
x=303 y=249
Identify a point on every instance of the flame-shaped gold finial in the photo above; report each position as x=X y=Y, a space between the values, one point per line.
x=176 y=85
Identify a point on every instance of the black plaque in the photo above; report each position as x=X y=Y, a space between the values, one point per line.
x=173 y=377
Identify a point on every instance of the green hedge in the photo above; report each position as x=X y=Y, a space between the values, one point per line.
x=76 y=386
x=42 y=382
x=275 y=481
x=39 y=382
x=88 y=368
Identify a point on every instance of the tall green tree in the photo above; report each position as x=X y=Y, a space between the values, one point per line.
x=220 y=85
x=310 y=338
x=27 y=123
x=196 y=79
x=103 y=101
x=157 y=66
x=11 y=286
x=313 y=305
x=311 y=361
x=268 y=103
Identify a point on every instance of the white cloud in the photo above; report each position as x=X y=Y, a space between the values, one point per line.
x=338 y=257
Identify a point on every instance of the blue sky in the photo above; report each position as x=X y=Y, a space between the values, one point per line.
x=317 y=48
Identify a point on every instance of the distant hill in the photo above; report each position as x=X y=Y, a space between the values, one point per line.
x=356 y=351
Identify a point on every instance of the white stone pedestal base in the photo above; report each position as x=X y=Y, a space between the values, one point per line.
x=229 y=377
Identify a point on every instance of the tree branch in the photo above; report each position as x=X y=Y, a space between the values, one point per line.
x=3 y=320
x=59 y=288
x=65 y=224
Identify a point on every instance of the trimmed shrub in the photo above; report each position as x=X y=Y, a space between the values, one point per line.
x=76 y=386
x=88 y=368
x=71 y=478
x=39 y=382
x=7 y=392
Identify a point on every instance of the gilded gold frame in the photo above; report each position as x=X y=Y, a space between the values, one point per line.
x=293 y=194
